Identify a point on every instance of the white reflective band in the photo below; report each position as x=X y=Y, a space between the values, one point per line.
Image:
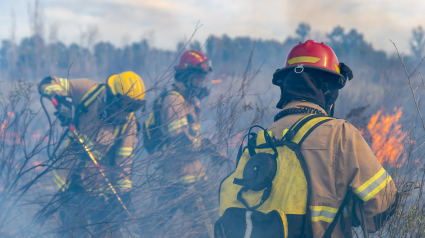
x=177 y=124
x=248 y=230
x=323 y=213
x=373 y=185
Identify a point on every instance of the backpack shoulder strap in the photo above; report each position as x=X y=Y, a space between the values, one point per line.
x=293 y=138
x=120 y=129
x=87 y=99
x=158 y=102
x=175 y=93
x=303 y=127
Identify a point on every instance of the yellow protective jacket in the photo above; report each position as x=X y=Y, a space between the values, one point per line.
x=110 y=139
x=180 y=120
x=339 y=162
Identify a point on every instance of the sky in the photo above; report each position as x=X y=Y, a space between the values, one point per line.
x=166 y=22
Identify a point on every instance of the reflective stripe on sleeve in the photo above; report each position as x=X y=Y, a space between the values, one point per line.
x=58 y=181
x=323 y=213
x=193 y=178
x=65 y=85
x=124 y=183
x=373 y=185
x=125 y=151
x=196 y=127
x=51 y=88
x=177 y=124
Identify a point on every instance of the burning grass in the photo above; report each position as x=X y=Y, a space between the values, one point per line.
x=387 y=137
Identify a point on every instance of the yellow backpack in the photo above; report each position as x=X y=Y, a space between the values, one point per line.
x=268 y=192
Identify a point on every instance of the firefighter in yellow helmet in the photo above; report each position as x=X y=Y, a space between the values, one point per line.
x=308 y=174
x=103 y=114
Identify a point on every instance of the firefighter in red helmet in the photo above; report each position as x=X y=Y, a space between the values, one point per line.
x=172 y=134
x=308 y=174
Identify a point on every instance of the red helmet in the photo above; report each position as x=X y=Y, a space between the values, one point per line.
x=194 y=60
x=310 y=54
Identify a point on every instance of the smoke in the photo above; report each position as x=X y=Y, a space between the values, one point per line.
x=380 y=20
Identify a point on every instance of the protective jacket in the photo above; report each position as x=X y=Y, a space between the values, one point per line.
x=340 y=167
x=180 y=123
x=110 y=138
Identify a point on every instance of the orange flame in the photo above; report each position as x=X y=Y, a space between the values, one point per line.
x=387 y=137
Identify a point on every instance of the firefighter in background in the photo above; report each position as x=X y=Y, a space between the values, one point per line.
x=173 y=133
x=308 y=174
x=104 y=118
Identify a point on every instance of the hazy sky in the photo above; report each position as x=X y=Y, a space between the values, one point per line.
x=166 y=21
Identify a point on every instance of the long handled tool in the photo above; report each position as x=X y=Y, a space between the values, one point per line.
x=74 y=131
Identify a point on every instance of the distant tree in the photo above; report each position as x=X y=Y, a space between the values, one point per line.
x=104 y=52
x=336 y=36
x=36 y=22
x=30 y=57
x=352 y=44
x=180 y=46
x=195 y=45
x=417 y=44
x=59 y=55
x=303 y=30
x=5 y=47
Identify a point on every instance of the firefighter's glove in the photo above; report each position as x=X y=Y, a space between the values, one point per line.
x=64 y=110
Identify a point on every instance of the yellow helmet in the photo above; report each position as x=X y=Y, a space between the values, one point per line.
x=127 y=84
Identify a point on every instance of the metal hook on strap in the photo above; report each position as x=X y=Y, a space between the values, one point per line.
x=299 y=69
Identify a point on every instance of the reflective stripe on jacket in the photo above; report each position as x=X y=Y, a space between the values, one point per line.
x=111 y=143
x=181 y=120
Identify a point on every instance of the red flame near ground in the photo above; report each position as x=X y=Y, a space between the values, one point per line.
x=387 y=137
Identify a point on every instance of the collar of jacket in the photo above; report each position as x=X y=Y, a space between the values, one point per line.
x=181 y=88
x=107 y=114
x=298 y=104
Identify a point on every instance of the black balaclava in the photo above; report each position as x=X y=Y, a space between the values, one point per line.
x=184 y=76
x=311 y=86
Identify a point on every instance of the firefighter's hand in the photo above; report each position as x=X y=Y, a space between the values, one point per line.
x=64 y=110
